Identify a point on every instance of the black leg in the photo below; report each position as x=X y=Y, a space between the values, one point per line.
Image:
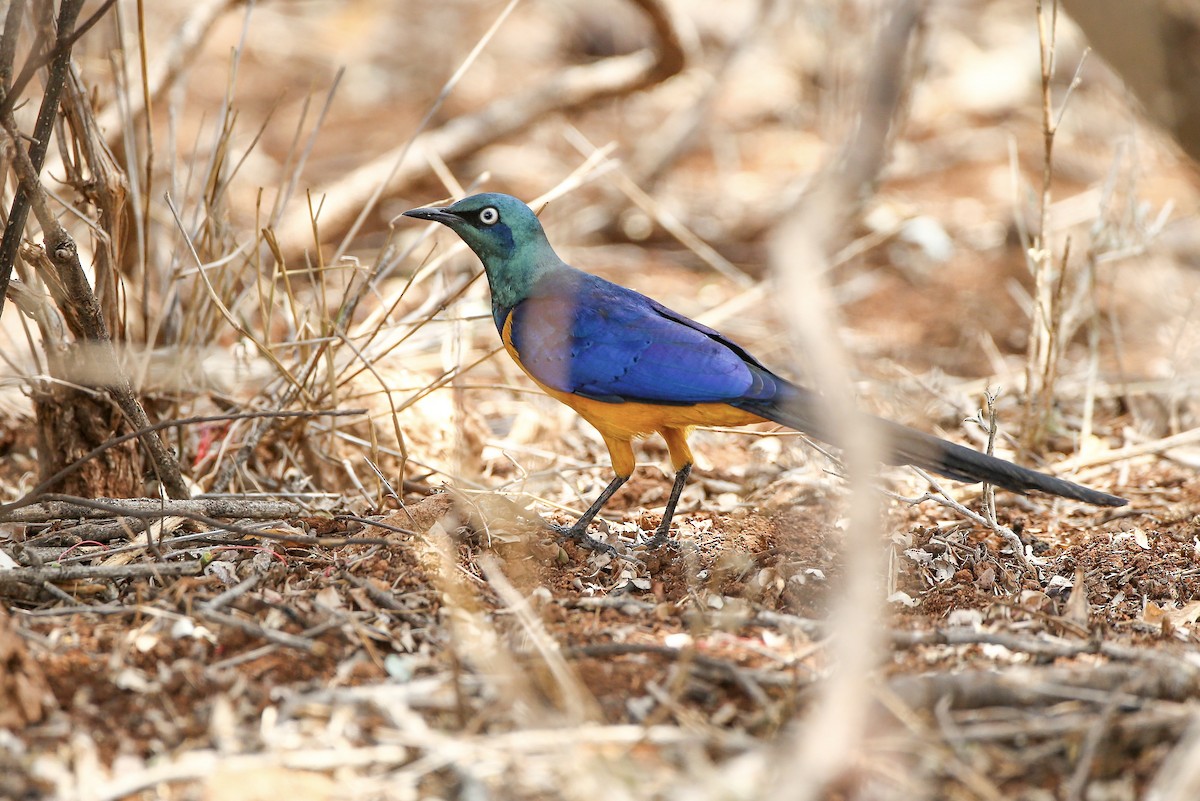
x=665 y=526
x=578 y=532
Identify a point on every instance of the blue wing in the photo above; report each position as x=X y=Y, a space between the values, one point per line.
x=581 y=334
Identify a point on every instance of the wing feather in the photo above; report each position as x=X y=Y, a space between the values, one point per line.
x=599 y=340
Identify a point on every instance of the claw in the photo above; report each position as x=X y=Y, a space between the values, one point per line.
x=583 y=538
x=655 y=542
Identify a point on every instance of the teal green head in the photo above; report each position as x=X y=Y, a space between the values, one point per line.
x=506 y=236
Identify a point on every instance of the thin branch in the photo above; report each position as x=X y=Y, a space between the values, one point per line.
x=257 y=630
x=62 y=48
x=57 y=573
x=238 y=508
x=8 y=43
x=40 y=141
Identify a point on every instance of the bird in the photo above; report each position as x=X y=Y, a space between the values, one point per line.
x=631 y=367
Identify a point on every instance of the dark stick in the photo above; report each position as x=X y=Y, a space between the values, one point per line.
x=63 y=45
x=8 y=42
x=40 y=142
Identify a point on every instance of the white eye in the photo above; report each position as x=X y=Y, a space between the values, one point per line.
x=489 y=216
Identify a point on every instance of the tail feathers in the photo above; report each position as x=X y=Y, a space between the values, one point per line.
x=801 y=410
x=909 y=446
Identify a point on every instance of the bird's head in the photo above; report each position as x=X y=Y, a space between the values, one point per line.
x=504 y=233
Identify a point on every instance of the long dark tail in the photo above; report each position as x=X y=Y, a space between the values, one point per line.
x=800 y=409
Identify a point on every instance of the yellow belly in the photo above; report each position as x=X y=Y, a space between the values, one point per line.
x=633 y=419
x=619 y=423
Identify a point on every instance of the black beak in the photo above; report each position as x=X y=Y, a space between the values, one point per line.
x=435 y=214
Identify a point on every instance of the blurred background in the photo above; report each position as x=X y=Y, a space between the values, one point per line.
x=676 y=157
x=319 y=122
x=1003 y=209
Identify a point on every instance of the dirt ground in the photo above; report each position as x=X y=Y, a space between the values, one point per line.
x=416 y=633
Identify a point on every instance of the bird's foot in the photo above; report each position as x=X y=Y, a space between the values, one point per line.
x=581 y=536
x=659 y=538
